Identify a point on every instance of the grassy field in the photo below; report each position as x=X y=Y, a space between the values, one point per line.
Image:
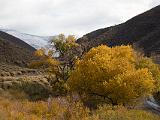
x=64 y=108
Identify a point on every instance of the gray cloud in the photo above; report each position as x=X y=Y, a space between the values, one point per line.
x=50 y=17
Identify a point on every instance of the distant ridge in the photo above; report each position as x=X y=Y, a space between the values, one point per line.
x=14 y=51
x=143 y=31
x=33 y=40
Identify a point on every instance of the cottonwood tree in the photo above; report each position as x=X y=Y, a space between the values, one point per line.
x=111 y=74
x=59 y=58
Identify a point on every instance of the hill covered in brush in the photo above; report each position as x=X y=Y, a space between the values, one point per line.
x=14 y=51
x=142 y=31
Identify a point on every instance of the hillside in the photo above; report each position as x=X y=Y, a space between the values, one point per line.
x=143 y=31
x=33 y=40
x=14 y=51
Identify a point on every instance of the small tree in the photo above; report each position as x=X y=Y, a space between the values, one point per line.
x=59 y=65
x=111 y=75
x=66 y=47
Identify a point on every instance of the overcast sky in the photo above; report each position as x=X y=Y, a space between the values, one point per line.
x=51 y=17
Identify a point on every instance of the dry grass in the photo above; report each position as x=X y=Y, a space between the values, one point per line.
x=63 y=108
x=35 y=87
x=12 y=70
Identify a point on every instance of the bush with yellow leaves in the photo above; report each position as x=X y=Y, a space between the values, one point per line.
x=111 y=75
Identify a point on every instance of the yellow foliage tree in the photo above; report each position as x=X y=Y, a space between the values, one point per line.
x=111 y=74
x=63 y=45
x=59 y=66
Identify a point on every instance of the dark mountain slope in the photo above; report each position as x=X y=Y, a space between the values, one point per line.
x=14 y=51
x=142 y=31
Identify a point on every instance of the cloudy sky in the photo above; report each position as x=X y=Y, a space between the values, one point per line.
x=50 y=17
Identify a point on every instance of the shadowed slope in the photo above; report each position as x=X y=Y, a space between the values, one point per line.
x=14 y=51
x=142 y=31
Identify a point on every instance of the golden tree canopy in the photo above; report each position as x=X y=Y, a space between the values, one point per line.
x=111 y=73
